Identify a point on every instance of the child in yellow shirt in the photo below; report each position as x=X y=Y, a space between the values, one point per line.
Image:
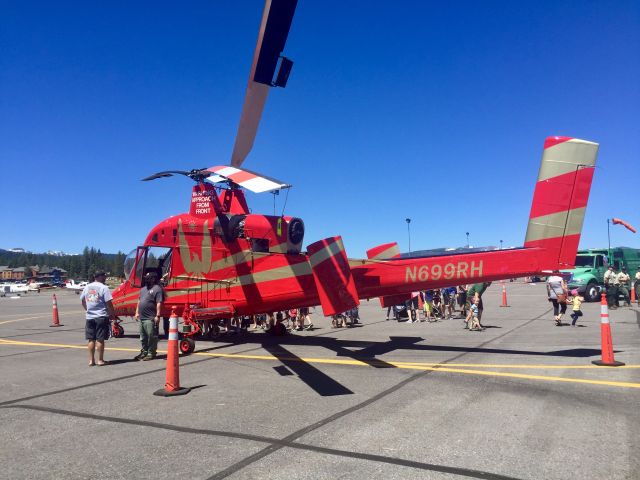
x=576 y=302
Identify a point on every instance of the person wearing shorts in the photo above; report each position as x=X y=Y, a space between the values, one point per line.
x=427 y=305
x=96 y=300
x=475 y=292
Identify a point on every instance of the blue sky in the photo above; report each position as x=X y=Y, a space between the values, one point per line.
x=435 y=111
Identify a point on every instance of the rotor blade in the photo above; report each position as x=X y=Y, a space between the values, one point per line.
x=168 y=173
x=274 y=29
x=252 y=181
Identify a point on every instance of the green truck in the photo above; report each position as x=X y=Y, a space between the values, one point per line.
x=588 y=275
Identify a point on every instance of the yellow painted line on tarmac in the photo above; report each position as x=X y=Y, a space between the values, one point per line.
x=539 y=377
x=520 y=366
x=402 y=365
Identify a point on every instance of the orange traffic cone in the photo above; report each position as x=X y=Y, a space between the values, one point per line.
x=504 y=296
x=633 y=294
x=605 y=333
x=172 y=382
x=56 y=318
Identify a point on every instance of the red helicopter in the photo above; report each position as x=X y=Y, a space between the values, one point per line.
x=221 y=261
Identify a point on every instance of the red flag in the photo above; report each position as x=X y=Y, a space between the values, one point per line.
x=617 y=221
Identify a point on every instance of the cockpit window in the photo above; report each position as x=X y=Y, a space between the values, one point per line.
x=129 y=263
x=145 y=260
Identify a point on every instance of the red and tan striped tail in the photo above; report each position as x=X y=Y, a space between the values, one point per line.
x=560 y=199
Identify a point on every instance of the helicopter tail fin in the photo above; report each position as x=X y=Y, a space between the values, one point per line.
x=560 y=200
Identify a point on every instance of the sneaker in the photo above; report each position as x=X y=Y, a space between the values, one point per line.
x=149 y=357
x=140 y=356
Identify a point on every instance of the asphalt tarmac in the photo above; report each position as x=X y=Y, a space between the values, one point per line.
x=384 y=400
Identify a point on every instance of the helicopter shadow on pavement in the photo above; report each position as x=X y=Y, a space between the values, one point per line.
x=366 y=350
x=319 y=381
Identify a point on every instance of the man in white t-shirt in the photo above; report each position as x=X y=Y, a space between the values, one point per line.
x=96 y=300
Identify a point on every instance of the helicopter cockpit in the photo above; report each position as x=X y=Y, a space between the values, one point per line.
x=143 y=260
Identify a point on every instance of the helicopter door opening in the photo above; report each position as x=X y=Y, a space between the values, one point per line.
x=133 y=266
x=159 y=260
x=143 y=260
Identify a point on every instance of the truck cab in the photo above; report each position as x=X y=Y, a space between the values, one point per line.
x=590 y=266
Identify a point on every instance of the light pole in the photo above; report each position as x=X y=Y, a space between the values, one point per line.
x=408 y=220
x=609 y=239
x=500 y=244
x=467 y=239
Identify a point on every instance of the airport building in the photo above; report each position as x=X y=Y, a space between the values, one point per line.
x=8 y=273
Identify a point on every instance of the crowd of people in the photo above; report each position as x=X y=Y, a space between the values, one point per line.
x=463 y=301
x=276 y=323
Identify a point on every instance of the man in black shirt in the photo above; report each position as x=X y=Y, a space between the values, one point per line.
x=148 y=312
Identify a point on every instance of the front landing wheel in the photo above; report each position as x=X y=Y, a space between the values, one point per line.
x=187 y=345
